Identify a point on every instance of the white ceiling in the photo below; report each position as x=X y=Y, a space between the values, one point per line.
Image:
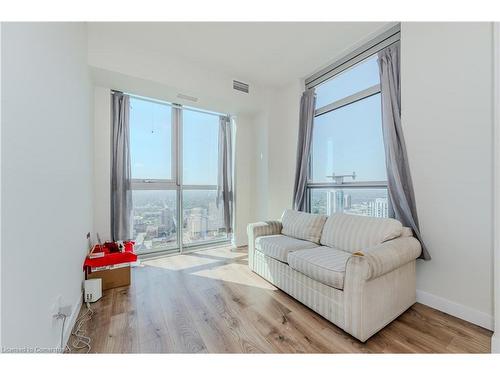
x=269 y=54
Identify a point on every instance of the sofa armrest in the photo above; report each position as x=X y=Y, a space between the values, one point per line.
x=379 y=284
x=390 y=255
x=260 y=229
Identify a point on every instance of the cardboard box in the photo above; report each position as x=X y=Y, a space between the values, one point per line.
x=112 y=278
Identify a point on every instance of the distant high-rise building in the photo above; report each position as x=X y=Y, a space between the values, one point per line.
x=347 y=202
x=197 y=223
x=335 y=201
x=167 y=219
x=379 y=207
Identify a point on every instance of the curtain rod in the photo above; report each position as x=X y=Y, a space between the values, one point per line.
x=173 y=105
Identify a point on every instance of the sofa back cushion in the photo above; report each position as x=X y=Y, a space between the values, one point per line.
x=355 y=233
x=302 y=225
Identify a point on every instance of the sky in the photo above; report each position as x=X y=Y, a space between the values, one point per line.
x=345 y=140
x=349 y=140
x=151 y=143
x=349 y=82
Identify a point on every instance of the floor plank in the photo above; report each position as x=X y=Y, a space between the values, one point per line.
x=209 y=301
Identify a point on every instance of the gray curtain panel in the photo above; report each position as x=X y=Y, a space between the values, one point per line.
x=400 y=186
x=307 y=104
x=121 y=174
x=225 y=172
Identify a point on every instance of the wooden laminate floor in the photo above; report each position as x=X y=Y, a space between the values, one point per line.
x=210 y=302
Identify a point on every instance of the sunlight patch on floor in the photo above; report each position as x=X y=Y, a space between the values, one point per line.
x=227 y=253
x=179 y=262
x=221 y=264
x=231 y=275
x=196 y=259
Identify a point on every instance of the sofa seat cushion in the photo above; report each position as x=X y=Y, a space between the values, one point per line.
x=324 y=264
x=279 y=246
x=357 y=233
x=302 y=225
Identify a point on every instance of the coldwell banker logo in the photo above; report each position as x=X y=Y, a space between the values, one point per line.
x=31 y=350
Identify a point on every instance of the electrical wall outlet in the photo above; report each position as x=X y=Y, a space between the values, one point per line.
x=58 y=309
x=54 y=310
x=66 y=310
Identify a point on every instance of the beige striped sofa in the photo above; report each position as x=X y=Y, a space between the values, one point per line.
x=356 y=271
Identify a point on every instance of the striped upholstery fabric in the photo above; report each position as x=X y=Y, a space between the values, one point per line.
x=302 y=225
x=391 y=255
x=279 y=246
x=406 y=232
x=325 y=300
x=355 y=233
x=324 y=264
x=264 y=228
x=369 y=305
x=256 y=230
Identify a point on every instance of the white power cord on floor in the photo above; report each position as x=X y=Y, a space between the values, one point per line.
x=81 y=341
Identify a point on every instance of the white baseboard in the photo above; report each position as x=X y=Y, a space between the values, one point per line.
x=70 y=322
x=460 y=311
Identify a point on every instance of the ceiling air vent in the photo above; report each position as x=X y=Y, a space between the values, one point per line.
x=187 y=97
x=240 y=86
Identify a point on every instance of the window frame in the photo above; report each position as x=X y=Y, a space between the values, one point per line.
x=356 y=57
x=175 y=183
x=344 y=102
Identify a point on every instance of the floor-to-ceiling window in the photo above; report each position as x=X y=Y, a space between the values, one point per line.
x=174 y=157
x=203 y=219
x=347 y=163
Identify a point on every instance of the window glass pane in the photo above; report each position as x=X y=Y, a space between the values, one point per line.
x=154 y=219
x=200 y=148
x=150 y=139
x=355 y=79
x=203 y=220
x=349 y=140
x=367 y=202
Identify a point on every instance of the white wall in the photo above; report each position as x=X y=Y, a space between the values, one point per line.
x=102 y=162
x=261 y=184
x=276 y=128
x=46 y=177
x=495 y=339
x=282 y=146
x=273 y=147
x=446 y=86
x=1 y=277
x=245 y=169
